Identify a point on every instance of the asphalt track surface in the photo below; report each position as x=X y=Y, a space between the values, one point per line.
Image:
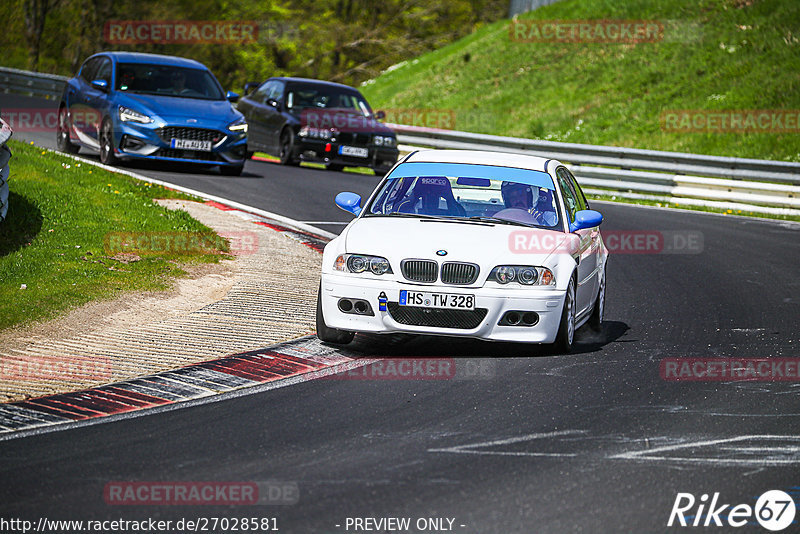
x=594 y=441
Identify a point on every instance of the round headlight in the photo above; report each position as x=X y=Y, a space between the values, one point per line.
x=379 y=140
x=505 y=275
x=378 y=265
x=528 y=276
x=357 y=264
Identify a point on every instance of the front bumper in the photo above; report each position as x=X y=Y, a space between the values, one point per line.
x=546 y=302
x=321 y=151
x=142 y=141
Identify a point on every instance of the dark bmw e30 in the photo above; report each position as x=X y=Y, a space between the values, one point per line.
x=298 y=119
x=129 y=106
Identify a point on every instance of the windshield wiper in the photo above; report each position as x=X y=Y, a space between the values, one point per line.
x=499 y=221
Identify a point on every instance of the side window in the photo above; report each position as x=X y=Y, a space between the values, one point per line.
x=576 y=188
x=276 y=91
x=570 y=199
x=89 y=68
x=104 y=71
x=262 y=93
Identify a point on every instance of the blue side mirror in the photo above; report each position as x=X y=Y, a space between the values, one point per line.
x=100 y=84
x=586 y=219
x=349 y=202
x=231 y=96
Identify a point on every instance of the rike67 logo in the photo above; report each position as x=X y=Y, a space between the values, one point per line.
x=774 y=510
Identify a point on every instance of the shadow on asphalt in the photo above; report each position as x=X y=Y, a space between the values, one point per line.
x=396 y=345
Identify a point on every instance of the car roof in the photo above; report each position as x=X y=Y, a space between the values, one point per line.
x=154 y=59
x=313 y=82
x=483 y=157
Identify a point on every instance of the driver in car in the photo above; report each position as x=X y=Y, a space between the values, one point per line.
x=520 y=196
x=179 y=83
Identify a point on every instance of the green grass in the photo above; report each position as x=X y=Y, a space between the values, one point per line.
x=715 y=55
x=55 y=237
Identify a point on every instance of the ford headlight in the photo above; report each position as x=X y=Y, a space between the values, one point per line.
x=129 y=115
x=360 y=263
x=526 y=275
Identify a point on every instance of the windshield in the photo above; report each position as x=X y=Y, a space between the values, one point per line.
x=167 y=80
x=492 y=194
x=305 y=97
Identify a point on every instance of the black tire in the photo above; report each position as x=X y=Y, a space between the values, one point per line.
x=566 y=330
x=330 y=335
x=63 y=142
x=227 y=170
x=287 y=148
x=596 y=319
x=107 y=156
x=335 y=167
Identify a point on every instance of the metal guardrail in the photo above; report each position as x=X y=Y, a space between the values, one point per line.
x=668 y=174
x=714 y=179
x=40 y=85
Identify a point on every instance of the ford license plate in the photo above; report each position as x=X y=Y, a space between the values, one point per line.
x=191 y=144
x=425 y=299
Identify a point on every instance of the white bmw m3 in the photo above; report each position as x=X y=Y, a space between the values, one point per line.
x=486 y=245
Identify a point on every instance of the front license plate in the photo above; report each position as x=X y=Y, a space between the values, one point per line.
x=424 y=299
x=356 y=151
x=191 y=144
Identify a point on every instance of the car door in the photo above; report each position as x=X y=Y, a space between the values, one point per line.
x=80 y=110
x=98 y=99
x=586 y=255
x=252 y=107
x=274 y=115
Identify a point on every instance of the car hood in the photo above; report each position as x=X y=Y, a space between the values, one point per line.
x=170 y=107
x=484 y=244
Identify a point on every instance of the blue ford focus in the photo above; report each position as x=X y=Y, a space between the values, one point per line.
x=129 y=106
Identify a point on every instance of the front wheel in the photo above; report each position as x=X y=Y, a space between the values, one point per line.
x=107 y=156
x=566 y=330
x=63 y=142
x=287 y=149
x=327 y=334
x=596 y=319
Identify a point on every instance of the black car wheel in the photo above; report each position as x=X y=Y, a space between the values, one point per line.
x=287 y=148
x=330 y=335
x=107 y=144
x=63 y=142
